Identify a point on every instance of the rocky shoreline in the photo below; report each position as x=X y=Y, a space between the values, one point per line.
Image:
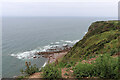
x=54 y=55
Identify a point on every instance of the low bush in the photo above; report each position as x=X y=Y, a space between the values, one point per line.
x=67 y=69
x=51 y=72
x=68 y=65
x=66 y=74
x=83 y=70
x=30 y=69
x=104 y=67
x=61 y=64
x=113 y=51
x=20 y=77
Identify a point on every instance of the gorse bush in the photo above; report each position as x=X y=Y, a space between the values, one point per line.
x=113 y=51
x=30 y=69
x=83 y=70
x=51 y=72
x=61 y=64
x=104 y=67
x=68 y=65
x=66 y=74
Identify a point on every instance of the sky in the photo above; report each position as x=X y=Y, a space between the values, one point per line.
x=99 y=8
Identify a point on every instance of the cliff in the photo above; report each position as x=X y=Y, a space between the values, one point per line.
x=102 y=37
x=93 y=57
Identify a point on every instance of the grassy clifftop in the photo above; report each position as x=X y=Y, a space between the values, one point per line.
x=102 y=37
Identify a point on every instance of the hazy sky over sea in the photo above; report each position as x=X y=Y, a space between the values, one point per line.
x=97 y=8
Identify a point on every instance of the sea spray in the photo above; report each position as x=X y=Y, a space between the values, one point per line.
x=52 y=46
x=46 y=62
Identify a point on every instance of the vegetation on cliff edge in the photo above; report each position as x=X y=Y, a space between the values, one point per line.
x=93 y=56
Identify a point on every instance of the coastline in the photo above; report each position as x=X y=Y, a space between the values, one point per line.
x=53 y=57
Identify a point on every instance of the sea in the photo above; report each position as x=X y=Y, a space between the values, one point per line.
x=22 y=37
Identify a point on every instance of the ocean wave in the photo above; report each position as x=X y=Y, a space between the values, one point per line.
x=68 y=41
x=25 y=55
x=45 y=64
x=85 y=32
x=57 y=42
x=54 y=45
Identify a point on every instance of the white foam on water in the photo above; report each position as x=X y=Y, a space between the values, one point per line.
x=72 y=42
x=68 y=41
x=57 y=42
x=45 y=64
x=32 y=54
x=25 y=55
x=75 y=41
x=64 y=44
x=51 y=43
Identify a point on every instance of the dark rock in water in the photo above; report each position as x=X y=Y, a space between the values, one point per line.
x=65 y=46
x=52 y=51
x=34 y=57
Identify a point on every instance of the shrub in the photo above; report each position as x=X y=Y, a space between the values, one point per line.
x=104 y=67
x=51 y=72
x=113 y=51
x=20 y=77
x=68 y=65
x=73 y=62
x=67 y=69
x=83 y=70
x=66 y=74
x=61 y=64
x=30 y=69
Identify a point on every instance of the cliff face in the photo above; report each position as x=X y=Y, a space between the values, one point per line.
x=102 y=37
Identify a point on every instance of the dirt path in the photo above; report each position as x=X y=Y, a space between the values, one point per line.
x=36 y=75
x=53 y=57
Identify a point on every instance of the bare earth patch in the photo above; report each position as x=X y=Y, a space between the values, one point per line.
x=69 y=72
x=116 y=55
x=36 y=75
x=89 y=61
x=53 y=57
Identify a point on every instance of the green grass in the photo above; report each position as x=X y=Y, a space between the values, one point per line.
x=66 y=74
x=103 y=37
x=96 y=44
x=51 y=72
x=104 y=67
